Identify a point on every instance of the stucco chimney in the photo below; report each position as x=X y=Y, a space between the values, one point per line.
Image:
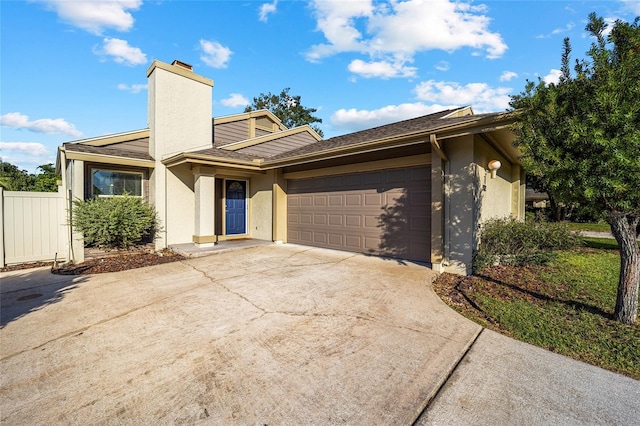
x=180 y=109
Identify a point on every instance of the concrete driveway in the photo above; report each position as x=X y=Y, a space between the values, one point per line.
x=268 y=335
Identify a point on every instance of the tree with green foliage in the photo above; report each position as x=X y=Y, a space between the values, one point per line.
x=287 y=108
x=581 y=137
x=14 y=179
x=47 y=179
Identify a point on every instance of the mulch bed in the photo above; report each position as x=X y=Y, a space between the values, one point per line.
x=118 y=262
x=106 y=262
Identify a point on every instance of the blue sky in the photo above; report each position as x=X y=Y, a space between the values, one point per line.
x=76 y=69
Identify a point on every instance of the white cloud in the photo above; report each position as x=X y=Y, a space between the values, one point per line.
x=214 y=54
x=395 y=31
x=266 y=9
x=235 y=100
x=508 y=76
x=31 y=148
x=552 y=77
x=121 y=52
x=481 y=96
x=96 y=16
x=15 y=120
x=632 y=5
x=568 y=27
x=134 y=88
x=351 y=120
x=381 y=69
x=442 y=66
x=557 y=31
x=25 y=155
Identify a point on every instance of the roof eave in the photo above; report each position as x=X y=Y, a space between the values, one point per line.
x=107 y=159
x=212 y=160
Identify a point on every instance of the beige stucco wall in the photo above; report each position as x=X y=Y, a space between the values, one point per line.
x=460 y=209
x=472 y=196
x=261 y=206
x=496 y=194
x=180 y=212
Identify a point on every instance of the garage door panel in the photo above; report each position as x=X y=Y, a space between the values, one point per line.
x=354 y=242
x=371 y=221
x=374 y=178
x=384 y=212
x=336 y=220
x=419 y=198
x=373 y=199
x=396 y=176
x=336 y=240
x=372 y=245
x=336 y=200
x=305 y=219
x=320 y=238
x=353 y=200
x=419 y=173
x=353 y=220
x=320 y=219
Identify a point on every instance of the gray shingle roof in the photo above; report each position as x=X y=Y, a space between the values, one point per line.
x=218 y=152
x=105 y=150
x=415 y=125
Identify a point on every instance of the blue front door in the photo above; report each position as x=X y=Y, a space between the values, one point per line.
x=236 y=214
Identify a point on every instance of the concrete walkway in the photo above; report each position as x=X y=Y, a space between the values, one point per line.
x=502 y=381
x=277 y=334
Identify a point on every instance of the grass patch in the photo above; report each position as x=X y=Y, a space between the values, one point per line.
x=602 y=243
x=565 y=307
x=589 y=227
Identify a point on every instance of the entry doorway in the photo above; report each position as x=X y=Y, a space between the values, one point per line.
x=235 y=207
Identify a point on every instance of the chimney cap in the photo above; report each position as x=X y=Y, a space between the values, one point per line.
x=182 y=65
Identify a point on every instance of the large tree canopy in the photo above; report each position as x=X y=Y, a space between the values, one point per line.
x=581 y=138
x=287 y=108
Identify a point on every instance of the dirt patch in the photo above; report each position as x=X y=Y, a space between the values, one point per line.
x=120 y=261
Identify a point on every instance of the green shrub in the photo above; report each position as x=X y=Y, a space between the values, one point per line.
x=115 y=222
x=516 y=243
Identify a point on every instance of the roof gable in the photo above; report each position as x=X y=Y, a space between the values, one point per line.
x=248 y=125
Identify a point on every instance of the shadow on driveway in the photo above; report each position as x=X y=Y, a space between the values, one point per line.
x=29 y=290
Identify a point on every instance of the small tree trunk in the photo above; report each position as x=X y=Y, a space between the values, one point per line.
x=624 y=229
x=557 y=210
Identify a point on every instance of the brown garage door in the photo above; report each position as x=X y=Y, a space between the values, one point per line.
x=386 y=212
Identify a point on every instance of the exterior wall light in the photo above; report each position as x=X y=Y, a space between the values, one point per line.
x=494 y=165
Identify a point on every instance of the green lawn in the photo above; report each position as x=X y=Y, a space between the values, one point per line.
x=591 y=227
x=566 y=307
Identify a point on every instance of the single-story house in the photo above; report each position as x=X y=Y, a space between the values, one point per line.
x=417 y=189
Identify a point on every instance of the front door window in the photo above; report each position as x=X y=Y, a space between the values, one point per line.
x=236 y=207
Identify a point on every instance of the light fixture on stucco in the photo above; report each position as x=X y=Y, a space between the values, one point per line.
x=494 y=165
